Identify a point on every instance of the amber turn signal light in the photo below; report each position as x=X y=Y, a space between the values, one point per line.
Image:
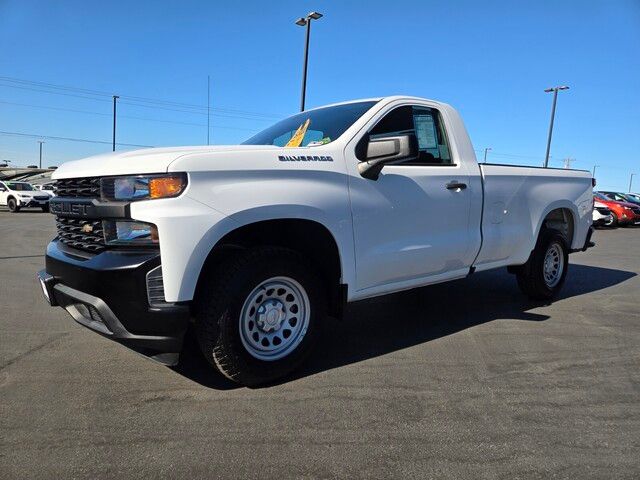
x=162 y=187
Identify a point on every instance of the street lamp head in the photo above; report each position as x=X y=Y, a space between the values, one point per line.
x=553 y=89
x=301 y=21
x=314 y=15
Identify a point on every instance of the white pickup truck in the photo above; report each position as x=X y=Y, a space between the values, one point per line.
x=255 y=244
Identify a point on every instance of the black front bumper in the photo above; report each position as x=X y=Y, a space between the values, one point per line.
x=107 y=293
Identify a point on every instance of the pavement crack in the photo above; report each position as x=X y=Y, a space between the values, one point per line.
x=32 y=350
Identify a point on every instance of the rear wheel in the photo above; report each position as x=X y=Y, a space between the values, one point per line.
x=543 y=275
x=13 y=205
x=258 y=316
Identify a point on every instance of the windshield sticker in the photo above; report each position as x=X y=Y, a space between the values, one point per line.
x=322 y=141
x=297 y=138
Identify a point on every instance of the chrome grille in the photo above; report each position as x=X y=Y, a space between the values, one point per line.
x=88 y=187
x=85 y=234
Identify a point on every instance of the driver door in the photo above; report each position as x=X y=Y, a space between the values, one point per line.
x=410 y=227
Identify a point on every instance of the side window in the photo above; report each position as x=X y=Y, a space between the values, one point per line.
x=423 y=122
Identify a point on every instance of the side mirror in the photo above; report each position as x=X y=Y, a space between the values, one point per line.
x=381 y=151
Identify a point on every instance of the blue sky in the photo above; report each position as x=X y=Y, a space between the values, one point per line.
x=491 y=60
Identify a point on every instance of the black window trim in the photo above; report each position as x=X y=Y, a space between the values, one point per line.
x=404 y=162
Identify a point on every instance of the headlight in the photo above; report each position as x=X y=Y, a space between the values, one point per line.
x=129 y=232
x=142 y=187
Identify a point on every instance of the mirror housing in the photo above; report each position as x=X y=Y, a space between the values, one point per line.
x=382 y=151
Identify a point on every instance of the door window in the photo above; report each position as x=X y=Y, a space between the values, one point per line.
x=423 y=122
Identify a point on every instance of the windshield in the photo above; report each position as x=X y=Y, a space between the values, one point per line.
x=20 y=187
x=315 y=127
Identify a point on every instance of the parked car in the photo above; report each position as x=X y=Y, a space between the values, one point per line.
x=621 y=197
x=257 y=243
x=624 y=213
x=635 y=196
x=47 y=188
x=17 y=195
x=602 y=215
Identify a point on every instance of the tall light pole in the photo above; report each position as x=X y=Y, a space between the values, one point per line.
x=40 y=142
x=306 y=21
x=208 y=105
x=115 y=98
x=485 y=154
x=631 y=181
x=594 y=171
x=553 y=114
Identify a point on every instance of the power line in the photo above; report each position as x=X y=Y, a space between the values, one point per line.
x=96 y=94
x=87 y=112
x=70 y=139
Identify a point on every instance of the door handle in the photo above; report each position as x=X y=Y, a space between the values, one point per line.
x=456 y=186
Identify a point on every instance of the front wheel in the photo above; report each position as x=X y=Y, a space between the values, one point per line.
x=611 y=221
x=13 y=205
x=258 y=316
x=542 y=277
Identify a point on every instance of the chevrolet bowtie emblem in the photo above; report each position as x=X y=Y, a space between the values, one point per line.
x=87 y=228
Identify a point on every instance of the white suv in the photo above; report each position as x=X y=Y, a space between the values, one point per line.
x=17 y=195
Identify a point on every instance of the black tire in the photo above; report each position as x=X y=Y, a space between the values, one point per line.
x=45 y=208
x=219 y=307
x=614 y=221
x=531 y=278
x=13 y=205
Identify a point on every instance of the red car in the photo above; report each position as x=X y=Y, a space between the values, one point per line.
x=623 y=213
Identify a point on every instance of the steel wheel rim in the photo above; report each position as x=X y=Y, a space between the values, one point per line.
x=553 y=265
x=274 y=318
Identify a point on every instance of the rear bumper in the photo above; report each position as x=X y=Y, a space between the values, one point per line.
x=587 y=242
x=107 y=293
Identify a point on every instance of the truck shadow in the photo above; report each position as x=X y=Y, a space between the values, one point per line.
x=378 y=326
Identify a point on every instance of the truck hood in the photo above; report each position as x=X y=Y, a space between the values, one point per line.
x=148 y=160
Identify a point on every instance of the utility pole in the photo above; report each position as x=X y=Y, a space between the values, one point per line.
x=306 y=21
x=115 y=98
x=208 y=105
x=485 y=154
x=594 y=171
x=553 y=114
x=567 y=162
x=40 y=142
x=631 y=181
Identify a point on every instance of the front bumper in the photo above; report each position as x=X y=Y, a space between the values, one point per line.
x=26 y=203
x=107 y=293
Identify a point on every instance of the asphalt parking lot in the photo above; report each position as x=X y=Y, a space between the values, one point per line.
x=460 y=380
